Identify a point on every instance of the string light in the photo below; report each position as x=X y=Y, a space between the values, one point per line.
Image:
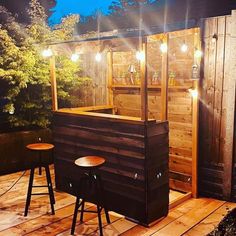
x=198 y=53
x=193 y=92
x=140 y=55
x=74 y=57
x=98 y=57
x=47 y=52
x=164 y=47
x=184 y=47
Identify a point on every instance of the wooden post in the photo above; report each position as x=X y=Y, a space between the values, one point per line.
x=164 y=81
x=195 y=118
x=144 y=89
x=53 y=83
x=228 y=115
x=110 y=77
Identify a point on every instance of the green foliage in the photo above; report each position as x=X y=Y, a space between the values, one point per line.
x=120 y=7
x=24 y=73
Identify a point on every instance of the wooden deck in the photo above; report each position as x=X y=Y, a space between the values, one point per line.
x=193 y=217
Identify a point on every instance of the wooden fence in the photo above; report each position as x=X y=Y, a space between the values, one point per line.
x=217 y=108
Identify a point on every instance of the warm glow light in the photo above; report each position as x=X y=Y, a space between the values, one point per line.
x=140 y=55
x=98 y=57
x=163 y=47
x=47 y=52
x=198 y=53
x=194 y=93
x=184 y=47
x=74 y=57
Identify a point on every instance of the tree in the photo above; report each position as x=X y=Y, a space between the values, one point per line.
x=121 y=7
x=24 y=73
x=19 y=8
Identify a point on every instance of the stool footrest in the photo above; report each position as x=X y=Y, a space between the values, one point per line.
x=40 y=194
x=40 y=186
x=90 y=211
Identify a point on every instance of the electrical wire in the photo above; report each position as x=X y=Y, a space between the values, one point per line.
x=13 y=184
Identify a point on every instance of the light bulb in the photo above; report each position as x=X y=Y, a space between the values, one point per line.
x=194 y=93
x=184 y=47
x=198 y=53
x=74 y=57
x=47 y=52
x=163 y=47
x=98 y=57
x=140 y=55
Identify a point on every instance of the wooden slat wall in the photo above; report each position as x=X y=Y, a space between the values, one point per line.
x=127 y=101
x=97 y=71
x=135 y=153
x=217 y=107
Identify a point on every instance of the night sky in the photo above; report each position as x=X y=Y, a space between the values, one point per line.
x=82 y=7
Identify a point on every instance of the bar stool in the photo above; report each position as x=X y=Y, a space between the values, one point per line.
x=40 y=147
x=89 y=182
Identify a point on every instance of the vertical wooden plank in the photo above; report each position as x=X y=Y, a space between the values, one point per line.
x=227 y=127
x=143 y=89
x=213 y=27
x=110 y=77
x=53 y=83
x=219 y=81
x=204 y=143
x=195 y=120
x=164 y=82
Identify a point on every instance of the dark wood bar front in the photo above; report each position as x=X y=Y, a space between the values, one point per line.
x=135 y=175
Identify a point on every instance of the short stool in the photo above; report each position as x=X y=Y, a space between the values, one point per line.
x=39 y=148
x=90 y=185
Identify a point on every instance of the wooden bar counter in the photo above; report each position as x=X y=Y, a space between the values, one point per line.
x=135 y=175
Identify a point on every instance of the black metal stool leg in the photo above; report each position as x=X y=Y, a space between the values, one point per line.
x=40 y=163
x=82 y=211
x=99 y=207
x=29 y=191
x=50 y=190
x=99 y=219
x=77 y=205
x=104 y=199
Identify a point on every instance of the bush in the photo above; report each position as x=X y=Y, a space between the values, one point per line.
x=25 y=97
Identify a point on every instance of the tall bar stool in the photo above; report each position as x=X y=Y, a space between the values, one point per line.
x=90 y=187
x=40 y=148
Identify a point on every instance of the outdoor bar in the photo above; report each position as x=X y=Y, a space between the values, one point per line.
x=145 y=85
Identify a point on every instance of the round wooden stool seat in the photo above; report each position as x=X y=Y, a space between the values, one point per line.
x=90 y=161
x=40 y=146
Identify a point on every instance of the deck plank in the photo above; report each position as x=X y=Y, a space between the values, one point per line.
x=209 y=223
x=190 y=219
x=193 y=217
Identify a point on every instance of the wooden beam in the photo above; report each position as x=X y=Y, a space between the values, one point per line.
x=143 y=89
x=227 y=126
x=195 y=118
x=53 y=83
x=164 y=82
x=110 y=77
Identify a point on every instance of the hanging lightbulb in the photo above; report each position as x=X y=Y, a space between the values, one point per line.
x=194 y=93
x=98 y=57
x=74 y=57
x=184 y=47
x=140 y=55
x=47 y=52
x=198 y=53
x=164 y=47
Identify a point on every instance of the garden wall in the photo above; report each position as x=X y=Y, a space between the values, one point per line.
x=13 y=154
